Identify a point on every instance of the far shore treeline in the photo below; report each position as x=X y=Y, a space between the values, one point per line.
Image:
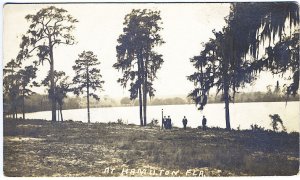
x=227 y=63
x=38 y=102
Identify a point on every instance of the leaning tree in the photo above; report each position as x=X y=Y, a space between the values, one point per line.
x=136 y=57
x=87 y=77
x=48 y=28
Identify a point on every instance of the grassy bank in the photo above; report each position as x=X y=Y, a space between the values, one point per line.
x=42 y=148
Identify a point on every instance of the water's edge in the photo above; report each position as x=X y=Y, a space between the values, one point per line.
x=242 y=114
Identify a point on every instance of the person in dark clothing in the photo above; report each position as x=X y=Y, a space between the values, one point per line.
x=184 y=122
x=164 y=122
x=204 y=121
x=168 y=123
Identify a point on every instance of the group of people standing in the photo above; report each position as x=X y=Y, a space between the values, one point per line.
x=167 y=123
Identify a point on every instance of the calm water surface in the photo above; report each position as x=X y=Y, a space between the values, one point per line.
x=242 y=114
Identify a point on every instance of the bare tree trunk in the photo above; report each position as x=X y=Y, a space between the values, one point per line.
x=13 y=113
x=52 y=89
x=57 y=114
x=141 y=105
x=140 y=79
x=23 y=103
x=226 y=99
x=143 y=80
x=61 y=115
x=145 y=106
x=88 y=94
x=145 y=95
x=16 y=112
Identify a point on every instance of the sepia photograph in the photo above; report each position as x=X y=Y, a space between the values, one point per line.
x=150 y=89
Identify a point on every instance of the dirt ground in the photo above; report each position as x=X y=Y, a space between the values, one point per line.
x=43 y=148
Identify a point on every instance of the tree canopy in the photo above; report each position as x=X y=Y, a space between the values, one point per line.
x=224 y=63
x=16 y=85
x=216 y=67
x=253 y=24
x=88 y=78
x=49 y=27
x=136 y=57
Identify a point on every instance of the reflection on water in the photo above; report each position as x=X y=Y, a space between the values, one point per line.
x=242 y=114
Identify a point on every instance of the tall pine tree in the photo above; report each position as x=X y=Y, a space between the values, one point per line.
x=88 y=77
x=136 y=57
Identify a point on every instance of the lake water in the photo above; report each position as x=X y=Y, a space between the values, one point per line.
x=241 y=114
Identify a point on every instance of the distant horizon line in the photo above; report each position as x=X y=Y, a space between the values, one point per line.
x=159 y=96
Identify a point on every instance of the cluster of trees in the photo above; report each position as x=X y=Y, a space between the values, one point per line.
x=254 y=97
x=275 y=94
x=51 y=27
x=228 y=61
x=231 y=59
x=16 y=84
x=37 y=102
x=136 y=57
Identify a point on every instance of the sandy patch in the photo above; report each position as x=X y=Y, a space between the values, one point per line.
x=20 y=139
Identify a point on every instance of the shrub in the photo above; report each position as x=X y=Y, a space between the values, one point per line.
x=120 y=121
x=255 y=127
x=275 y=119
x=153 y=123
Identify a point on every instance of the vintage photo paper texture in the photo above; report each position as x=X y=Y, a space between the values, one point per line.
x=151 y=89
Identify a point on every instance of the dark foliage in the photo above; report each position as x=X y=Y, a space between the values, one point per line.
x=48 y=28
x=88 y=77
x=136 y=57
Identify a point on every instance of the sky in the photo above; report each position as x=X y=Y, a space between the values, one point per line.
x=186 y=26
